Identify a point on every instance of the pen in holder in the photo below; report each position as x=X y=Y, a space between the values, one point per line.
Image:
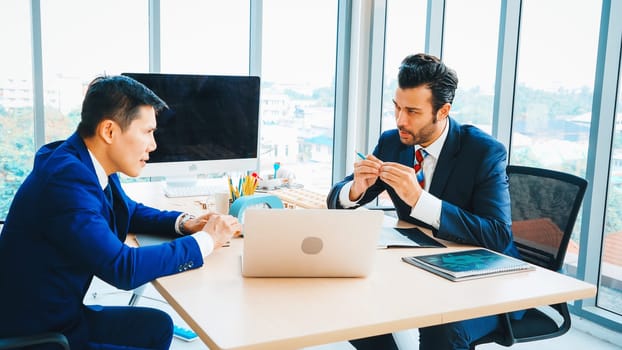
x=256 y=200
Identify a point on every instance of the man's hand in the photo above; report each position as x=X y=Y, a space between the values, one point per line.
x=197 y=223
x=403 y=180
x=366 y=173
x=222 y=228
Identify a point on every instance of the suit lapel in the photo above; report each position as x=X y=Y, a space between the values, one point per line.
x=407 y=155
x=445 y=164
x=119 y=211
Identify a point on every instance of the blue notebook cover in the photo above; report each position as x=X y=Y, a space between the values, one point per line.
x=468 y=264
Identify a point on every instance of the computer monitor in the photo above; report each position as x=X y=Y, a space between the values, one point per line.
x=210 y=127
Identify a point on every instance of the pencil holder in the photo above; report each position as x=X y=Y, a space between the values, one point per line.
x=260 y=199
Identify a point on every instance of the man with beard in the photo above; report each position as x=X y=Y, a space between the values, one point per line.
x=439 y=174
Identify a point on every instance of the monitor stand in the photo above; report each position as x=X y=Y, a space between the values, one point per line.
x=181 y=181
x=191 y=186
x=182 y=186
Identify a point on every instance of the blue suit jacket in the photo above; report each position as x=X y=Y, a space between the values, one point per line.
x=469 y=178
x=59 y=234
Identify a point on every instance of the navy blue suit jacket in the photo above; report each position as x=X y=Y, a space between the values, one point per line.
x=60 y=232
x=469 y=178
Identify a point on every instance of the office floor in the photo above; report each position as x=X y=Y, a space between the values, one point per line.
x=583 y=334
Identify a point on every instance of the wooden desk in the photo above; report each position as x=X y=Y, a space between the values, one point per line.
x=228 y=311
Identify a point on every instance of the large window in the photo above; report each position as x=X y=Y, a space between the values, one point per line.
x=298 y=87
x=610 y=289
x=476 y=68
x=16 y=100
x=101 y=37
x=205 y=37
x=554 y=88
x=404 y=35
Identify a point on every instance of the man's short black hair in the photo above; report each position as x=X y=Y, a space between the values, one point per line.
x=423 y=69
x=116 y=98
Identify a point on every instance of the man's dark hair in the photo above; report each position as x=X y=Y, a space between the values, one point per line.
x=117 y=98
x=423 y=69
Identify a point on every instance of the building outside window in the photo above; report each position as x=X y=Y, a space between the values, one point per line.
x=299 y=46
x=476 y=69
x=16 y=100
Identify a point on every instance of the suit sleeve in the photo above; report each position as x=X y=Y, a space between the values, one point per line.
x=144 y=219
x=78 y=226
x=485 y=218
x=332 y=200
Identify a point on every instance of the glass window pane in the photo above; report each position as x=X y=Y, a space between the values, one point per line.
x=205 y=37
x=610 y=289
x=298 y=89
x=554 y=88
x=100 y=37
x=476 y=70
x=16 y=99
x=404 y=35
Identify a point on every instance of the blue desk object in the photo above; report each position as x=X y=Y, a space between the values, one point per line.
x=260 y=199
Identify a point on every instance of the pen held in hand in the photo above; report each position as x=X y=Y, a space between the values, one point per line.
x=361 y=155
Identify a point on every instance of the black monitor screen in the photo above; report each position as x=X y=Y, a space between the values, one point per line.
x=209 y=117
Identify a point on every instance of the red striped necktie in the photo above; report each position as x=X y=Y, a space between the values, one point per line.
x=420 y=154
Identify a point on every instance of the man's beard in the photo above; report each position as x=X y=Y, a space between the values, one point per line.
x=424 y=135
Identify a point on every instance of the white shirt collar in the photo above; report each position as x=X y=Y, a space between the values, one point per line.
x=99 y=170
x=436 y=147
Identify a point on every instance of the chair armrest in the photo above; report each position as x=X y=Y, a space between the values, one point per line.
x=43 y=338
x=506 y=337
x=536 y=325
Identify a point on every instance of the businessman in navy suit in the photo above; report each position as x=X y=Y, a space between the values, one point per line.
x=462 y=194
x=69 y=219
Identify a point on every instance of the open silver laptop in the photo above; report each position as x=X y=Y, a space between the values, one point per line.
x=309 y=242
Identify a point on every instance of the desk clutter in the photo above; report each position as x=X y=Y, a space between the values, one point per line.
x=246 y=186
x=300 y=198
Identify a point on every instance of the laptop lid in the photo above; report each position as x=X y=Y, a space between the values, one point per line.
x=309 y=242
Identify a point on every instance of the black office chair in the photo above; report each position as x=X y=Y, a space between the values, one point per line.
x=545 y=204
x=37 y=339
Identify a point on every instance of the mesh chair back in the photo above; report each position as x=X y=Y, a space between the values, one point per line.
x=545 y=204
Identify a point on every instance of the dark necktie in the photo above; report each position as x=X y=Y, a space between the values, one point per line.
x=108 y=193
x=110 y=200
x=420 y=154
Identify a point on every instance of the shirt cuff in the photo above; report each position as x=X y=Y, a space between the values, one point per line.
x=344 y=196
x=205 y=242
x=177 y=224
x=428 y=209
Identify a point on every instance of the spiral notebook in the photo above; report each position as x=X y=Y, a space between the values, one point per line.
x=469 y=264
